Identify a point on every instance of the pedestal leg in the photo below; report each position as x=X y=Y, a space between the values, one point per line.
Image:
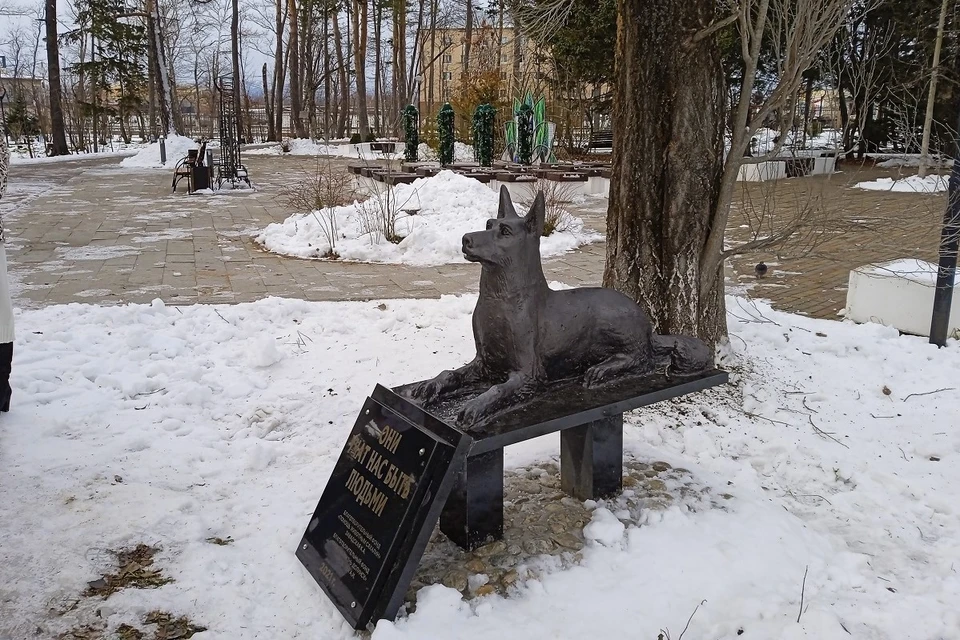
x=473 y=514
x=591 y=459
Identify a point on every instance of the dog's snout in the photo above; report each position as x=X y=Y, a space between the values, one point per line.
x=467 y=241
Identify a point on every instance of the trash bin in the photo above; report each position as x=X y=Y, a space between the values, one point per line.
x=200 y=177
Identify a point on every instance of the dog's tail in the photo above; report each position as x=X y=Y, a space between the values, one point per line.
x=682 y=354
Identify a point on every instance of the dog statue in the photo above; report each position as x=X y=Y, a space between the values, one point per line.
x=527 y=335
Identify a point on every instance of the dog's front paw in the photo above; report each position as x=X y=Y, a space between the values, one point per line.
x=473 y=412
x=427 y=391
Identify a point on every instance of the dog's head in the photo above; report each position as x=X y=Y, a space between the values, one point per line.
x=508 y=238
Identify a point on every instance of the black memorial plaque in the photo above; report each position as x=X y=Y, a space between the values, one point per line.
x=379 y=507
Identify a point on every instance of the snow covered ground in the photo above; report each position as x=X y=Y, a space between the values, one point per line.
x=910 y=184
x=449 y=206
x=835 y=447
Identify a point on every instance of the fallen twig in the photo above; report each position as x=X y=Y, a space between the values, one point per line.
x=680 y=637
x=803 y=589
x=927 y=393
x=755 y=415
x=881 y=417
x=807 y=407
x=825 y=434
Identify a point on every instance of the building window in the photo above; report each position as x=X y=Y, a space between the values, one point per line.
x=447 y=58
x=447 y=75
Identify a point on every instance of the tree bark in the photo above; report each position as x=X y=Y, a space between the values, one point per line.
x=667 y=165
x=58 y=135
x=360 y=62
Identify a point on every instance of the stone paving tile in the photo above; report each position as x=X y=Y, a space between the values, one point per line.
x=70 y=239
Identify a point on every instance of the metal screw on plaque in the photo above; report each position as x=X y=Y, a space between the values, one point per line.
x=353 y=605
x=422 y=451
x=304 y=546
x=367 y=412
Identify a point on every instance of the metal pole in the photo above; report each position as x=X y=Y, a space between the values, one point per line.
x=947 y=273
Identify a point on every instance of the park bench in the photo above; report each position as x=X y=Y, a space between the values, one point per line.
x=193 y=168
x=601 y=140
x=590 y=423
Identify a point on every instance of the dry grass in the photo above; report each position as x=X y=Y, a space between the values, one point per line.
x=134 y=570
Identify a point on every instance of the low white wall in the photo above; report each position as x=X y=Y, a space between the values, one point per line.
x=761 y=171
x=823 y=166
x=897 y=295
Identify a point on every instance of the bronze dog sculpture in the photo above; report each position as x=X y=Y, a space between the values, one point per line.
x=528 y=335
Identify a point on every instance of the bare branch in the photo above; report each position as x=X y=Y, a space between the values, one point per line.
x=713 y=28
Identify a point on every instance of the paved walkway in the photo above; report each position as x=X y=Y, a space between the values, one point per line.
x=89 y=231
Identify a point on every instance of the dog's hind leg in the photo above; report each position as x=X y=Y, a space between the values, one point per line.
x=619 y=364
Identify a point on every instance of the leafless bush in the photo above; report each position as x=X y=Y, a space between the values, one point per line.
x=378 y=214
x=320 y=194
x=556 y=196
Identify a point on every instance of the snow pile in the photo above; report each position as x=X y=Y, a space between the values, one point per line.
x=450 y=206
x=425 y=153
x=826 y=139
x=302 y=147
x=913 y=161
x=149 y=156
x=764 y=141
x=910 y=184
x=463 y=152
x=140 y=423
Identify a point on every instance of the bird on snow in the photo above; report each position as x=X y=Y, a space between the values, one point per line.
x=760 y=270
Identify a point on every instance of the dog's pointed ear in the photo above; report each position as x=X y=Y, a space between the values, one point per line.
x=506 y=209
x=535 y=217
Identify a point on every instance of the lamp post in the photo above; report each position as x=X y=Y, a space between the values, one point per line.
x=949 y=241
x=3 y=114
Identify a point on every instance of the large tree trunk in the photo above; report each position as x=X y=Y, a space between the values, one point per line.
x=467 y=38
x=293 y=50
x=268 y=107
x=377 y=69
x=58 y=135
x=343 y=110
x=360 y=62
x=433 y=55
x=667 y=164
x=400 y=91
x=278 y=76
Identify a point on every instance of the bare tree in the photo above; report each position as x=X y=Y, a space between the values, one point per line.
x=360 y=21
x=58 y=136
x=931 y=96
x=797 y=30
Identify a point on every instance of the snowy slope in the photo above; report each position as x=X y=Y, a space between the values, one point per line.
x=147 y=423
